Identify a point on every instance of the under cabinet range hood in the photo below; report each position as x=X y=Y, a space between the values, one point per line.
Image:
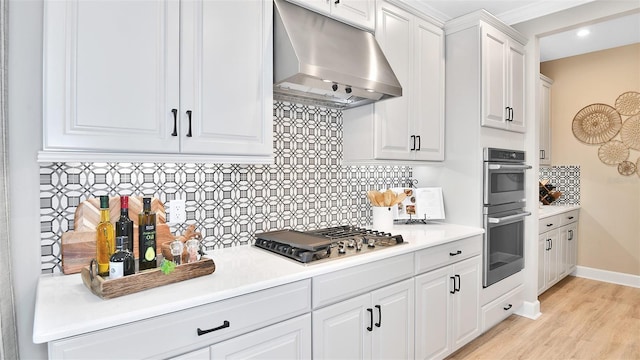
x=321 y=61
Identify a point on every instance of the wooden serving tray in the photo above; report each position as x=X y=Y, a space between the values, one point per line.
x=148 y=279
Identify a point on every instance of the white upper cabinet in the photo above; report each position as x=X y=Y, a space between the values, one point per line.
x=545 y=120
x=410 y=127
x=157 y=80
x=360 y=13
x=502 y=80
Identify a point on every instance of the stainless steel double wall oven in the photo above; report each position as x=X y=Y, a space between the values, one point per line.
x=504 y=204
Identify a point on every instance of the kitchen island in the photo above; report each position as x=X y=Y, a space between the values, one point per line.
x=65 y=309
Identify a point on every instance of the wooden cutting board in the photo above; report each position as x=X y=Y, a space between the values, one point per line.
x=79 y=246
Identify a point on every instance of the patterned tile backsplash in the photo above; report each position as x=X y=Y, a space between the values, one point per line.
x=305 y=188
x=567 y=181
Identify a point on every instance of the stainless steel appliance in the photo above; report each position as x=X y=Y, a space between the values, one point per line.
x=321 y=61
x=325 y=244
x=504 y=174
x=504 y=200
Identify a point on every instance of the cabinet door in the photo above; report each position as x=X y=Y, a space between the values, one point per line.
x=428 y=121
x=561 y=252
x=290 y=339
x=494 y=79
x=552 y=263
x=433 y=309
x=357 y=12
x=571 y=250
x=542 y=262
x=545 y=120
x=466 y=302
x=393 y=321
x=110 y=75
x=394 y=33
x=340 y=330
x=226 y=81
x=515 y=90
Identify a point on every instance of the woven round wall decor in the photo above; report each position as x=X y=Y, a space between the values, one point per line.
x=613 y=152
x=596 y=124
x=626 y=168
x=628 y=103
x=630 y=132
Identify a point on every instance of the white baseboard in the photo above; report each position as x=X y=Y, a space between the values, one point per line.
x=530 y=310
x=607 y=276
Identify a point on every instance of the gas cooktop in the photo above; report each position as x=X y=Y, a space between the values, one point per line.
x=325 y=244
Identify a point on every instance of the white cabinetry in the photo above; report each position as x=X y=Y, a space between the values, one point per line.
x=447 y=299
x=410 y=127
x=132 y=81
x=376 y=325
x=360 y=13
x=503 y=80
x=189 y=330
x=369 y=313
x=557 y=248
x=545 y=120
x=289 y=339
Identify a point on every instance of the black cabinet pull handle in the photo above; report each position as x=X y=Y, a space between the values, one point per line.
x=337 y=2
x=510 y=114
x=175 y=122
x=508 y=307
x=507 y=113
x=370 y=327
x=379 y=316
x=459 y=283
x=570 y=217
x=454 y=285
x=542 y=154
x=548 y=247
x=419 y=143
x=189 y=116
x=549 y=225
x=413 y=142
x=455 y=253
x=551 y=245
x=570 y=235
x=225 y=324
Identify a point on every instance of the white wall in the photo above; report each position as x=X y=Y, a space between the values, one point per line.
x=24 y=134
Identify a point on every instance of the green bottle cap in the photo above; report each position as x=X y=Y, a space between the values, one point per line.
x=104 y=202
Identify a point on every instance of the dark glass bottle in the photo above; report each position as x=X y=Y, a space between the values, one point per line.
x=124 y=225
x=147 y=236
x=121 y=262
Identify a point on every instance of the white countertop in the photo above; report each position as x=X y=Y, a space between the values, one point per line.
x=65 y=307
x=549 y=210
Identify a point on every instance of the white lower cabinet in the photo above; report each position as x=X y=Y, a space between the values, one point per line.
x=183 y=331
x=289 y=339
x=447 y=304
x=557 y=248
x=375 y=325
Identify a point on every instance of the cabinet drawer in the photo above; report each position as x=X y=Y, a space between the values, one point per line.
x=501 y=308
x=446 y=254
x=569 y=217
x=339 y=285
x=177 y=332
x=548 y=223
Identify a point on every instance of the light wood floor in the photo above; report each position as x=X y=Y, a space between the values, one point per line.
x=581 y=319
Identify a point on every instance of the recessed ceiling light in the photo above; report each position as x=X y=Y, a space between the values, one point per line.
x=583 y=32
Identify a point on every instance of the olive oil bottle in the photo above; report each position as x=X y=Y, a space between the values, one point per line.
x=147 y=236
x=105 y=238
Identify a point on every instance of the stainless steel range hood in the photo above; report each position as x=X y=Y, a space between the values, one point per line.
x=321 y=61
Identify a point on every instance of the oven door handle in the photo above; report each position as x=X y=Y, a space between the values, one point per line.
x=499 y=220
x=508 y=167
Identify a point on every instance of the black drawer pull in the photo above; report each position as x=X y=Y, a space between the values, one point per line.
x=175 y=122
x=454 y=285
x=370 y=327
x=413 y=143
x=570 y=217
x=455 y=253
x=189 y=115
x=459 y=283
x=548 y=225
x=379 y=316
x=508 y=307
x=225 y=324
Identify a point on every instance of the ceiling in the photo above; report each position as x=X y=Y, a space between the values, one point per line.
x=613 y=32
